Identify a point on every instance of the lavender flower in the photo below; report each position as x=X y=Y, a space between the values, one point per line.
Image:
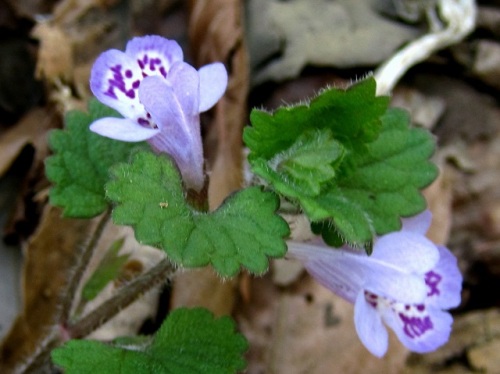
x=407 y=282
x=160 y=97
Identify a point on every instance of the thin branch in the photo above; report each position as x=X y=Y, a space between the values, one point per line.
x=79 y=270
x=40 y=362
x=123 y=298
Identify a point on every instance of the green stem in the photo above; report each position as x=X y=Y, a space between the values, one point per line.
x=123 y=298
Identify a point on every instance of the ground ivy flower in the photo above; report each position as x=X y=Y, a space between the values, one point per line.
x=408 y=282
x=160 y=97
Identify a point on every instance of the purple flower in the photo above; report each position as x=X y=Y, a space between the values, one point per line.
x=161 y=98
x=408 y=282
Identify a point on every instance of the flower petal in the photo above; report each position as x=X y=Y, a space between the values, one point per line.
x=173 y=104
x=213 y=84
x=122 y=129
x=418 y=224
x=444 y=281
x=345 y=273
x=185 y=81
x=395 y=285
x=180 y=134
x=153 y=54
x=369 y=327
x=421 y=329
x=410 y=251
x=332 y=268
x=114 y=80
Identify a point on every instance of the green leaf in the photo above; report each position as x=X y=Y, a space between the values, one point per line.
x=328 y=233
x=108 y=270
x=243 y=231
x=368 y=169
x=190 y=341
x=305 y=167
x=79 y=167
x=383 y=184
x=352 y=116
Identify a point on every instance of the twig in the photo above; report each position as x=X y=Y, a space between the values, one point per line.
x=40 y=362
x=79 y=270
x=124 y=297
x=459 y=17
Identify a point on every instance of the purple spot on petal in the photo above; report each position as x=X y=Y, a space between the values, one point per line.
x=432 y=280
x=415 y=327
x=153 y=63
x=371 y=299
x=143 y=122
x=110 y=92
x=163 y=72
x=136 y=84
x=141 y=64
x=420 y=307
x=116 y=83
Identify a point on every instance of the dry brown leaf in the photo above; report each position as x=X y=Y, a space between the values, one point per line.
x=71 y=39
x=216 y=34
x=424 y=110
x=49 y=254
x=488 y=18
x=55 y=55
x=202 y=287
x=439 y=196
x=476 y=201
x=487 y=62
x=30 y=134
x=69 y=11
x=485 y=358
x=470 y=114
x=31 y=129
x=30 y=9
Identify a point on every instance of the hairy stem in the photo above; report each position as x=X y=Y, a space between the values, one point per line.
x=40 y=362
x=123 y=298
x=80 y=268
x=198 y=200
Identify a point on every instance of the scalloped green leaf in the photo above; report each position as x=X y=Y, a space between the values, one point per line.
x=190 y=341
x=79 y=167
x=381 y=186
x=352 y=116
x=243 y=231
